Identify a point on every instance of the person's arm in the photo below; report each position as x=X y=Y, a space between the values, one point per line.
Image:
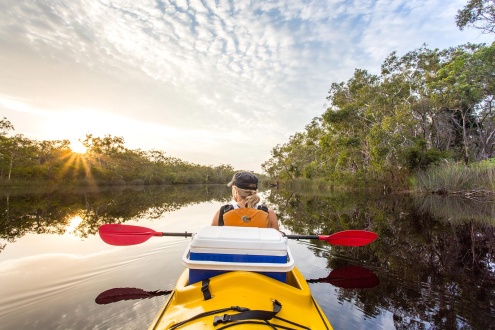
x=214 y=222
x=272 y=219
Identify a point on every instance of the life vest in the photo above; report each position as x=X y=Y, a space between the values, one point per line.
x=243 y=217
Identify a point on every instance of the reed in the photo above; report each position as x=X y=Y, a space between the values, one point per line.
x=452 y=177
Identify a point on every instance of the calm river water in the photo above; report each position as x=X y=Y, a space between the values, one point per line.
x=434 y=258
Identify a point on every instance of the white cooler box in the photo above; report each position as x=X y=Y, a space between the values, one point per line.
x=217 y=249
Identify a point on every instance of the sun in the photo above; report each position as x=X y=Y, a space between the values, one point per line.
x=77 y=147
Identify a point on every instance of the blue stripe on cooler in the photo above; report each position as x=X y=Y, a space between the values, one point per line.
x=246 y=258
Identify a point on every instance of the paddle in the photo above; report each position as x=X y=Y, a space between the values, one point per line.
x=349 y=277
x=121 y=235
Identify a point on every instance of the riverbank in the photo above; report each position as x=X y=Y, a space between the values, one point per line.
x=448 y=178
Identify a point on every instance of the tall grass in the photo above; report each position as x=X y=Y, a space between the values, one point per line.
x=451 y=177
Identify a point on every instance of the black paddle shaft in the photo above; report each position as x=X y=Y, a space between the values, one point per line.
x=303 y=236
x=184 y=234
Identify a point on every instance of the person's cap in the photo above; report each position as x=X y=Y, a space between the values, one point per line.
x=244 y=180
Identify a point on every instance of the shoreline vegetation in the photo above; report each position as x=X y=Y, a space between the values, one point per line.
x=100 y=161
x=32 y=164
x=473 y=181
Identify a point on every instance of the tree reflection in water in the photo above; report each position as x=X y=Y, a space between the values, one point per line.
x=53 y=211
x=435 y=257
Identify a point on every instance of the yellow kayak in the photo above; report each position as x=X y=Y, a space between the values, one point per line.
x=262 y=302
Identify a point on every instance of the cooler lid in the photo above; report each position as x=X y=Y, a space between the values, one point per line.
x=246 y=238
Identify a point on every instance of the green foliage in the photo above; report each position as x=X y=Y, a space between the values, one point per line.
x=418 y=157
x=424 y=107
x=479 y=14
x=106 y=162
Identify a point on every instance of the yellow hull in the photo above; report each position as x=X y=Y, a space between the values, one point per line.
x=246 y=289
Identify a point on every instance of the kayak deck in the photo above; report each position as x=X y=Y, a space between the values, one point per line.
x=249 y=290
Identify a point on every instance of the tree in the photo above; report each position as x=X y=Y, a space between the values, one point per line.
x=484 y=64
x=460 y=87
x=53 y=157
x=19 y=152
x=5 y=127
x=436 y=125
x=348 y=120
x=479 y=14
x=368 y=123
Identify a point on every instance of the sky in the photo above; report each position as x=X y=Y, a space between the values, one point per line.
x=208 y=81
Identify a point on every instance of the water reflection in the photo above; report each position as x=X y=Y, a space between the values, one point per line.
x=436 y=268
x=351 y=277
x=74 y=223
x=118 y=294
x=82 y=211
x=457 y=209
x=434 y=257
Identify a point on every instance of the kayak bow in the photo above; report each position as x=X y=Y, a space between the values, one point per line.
x=242 y=300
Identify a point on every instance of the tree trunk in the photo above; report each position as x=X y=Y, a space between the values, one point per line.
x=11 y=164
x=465 y=138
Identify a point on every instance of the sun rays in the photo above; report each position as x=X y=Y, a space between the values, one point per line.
x=77 y=164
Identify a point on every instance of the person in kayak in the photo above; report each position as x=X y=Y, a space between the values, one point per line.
x=246 y=211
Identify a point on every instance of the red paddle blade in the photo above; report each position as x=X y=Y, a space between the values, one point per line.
x=120 y=235
x=350 y=238
x=352 y=277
